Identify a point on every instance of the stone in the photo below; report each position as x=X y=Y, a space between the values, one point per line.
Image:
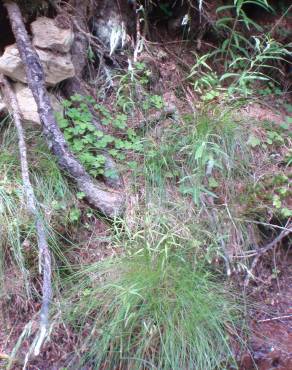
x=27 y=104
x=111 y=30
x=56 y=67
x=47 y=35
x=11 y=65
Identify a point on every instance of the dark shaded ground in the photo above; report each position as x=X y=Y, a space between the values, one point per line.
x=271 y=341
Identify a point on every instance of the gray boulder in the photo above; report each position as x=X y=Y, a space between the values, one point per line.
x=57 y=67
x=47 y=35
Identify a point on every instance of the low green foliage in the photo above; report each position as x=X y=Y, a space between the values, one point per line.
x=242 y=74
x=18 y=236
x=163 y=300
x=117 y=139
x=274 y=189
x=159 y=305
x=90 y=143
x=208 y=152
x=236 y=43
x=134 y=90
x=247 y=60
x=270 y=89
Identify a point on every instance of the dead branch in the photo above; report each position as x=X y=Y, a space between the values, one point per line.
x=284 y=317
x=273 y=244
x=108 y=201
x=44 y=252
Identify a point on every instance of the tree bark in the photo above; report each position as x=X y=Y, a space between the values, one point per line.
x=108 y=201
x=44 y=252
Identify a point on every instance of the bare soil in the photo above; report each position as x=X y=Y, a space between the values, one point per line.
x=271 y=326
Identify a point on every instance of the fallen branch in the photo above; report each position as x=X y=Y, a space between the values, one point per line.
x=284 y=317
x=44 y=252
x=285 y=232
x=108 y=201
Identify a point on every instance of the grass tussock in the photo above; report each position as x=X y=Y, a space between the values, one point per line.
x=160 y=305
x=200 y=154
x=19 y=253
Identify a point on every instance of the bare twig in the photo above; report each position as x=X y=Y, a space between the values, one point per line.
x=285 y=232
x=275 y=26
x=44 y=252
x=284 y=317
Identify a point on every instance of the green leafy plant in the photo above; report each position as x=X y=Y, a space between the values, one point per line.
x=247 y=60
x=241 y=74
x=88 y=142
x=275 y=189
x=133 y=90
x=236 y=43
x=207 y=153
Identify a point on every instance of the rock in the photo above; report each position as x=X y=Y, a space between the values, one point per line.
x=27 y=104
x=111 y=30
x=56 y=67
x=10 y=63
x=114 y=25
x=47 y=35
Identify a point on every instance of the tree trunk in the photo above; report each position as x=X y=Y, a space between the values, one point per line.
x=109 y=202
x=44 y=252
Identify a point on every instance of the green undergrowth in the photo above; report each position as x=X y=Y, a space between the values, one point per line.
x=198 y=184
x=90 y=143
x=210 y=152
x=19 y=253
x=249 y=57
x=165 y=300
x=272 y=142
x=160 y=304
x=114 y=135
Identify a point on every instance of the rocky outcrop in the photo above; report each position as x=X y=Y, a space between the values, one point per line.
x=57 y=67
x=47 y=35
x=27 y=104
x=52 y=44
x=114 y=25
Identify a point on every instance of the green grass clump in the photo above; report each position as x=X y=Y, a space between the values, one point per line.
x=198 y=155
x=158 y=306
x=19 y=251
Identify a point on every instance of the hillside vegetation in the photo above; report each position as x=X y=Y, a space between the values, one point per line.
x=179 y=114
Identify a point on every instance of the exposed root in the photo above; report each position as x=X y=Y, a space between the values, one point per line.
x=273 y=244
x=44 y=252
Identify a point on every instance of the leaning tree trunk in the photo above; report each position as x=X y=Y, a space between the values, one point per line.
x=31 y=204
x=108 y=201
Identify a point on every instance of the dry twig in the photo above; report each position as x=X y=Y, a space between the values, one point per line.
x=273 y=244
